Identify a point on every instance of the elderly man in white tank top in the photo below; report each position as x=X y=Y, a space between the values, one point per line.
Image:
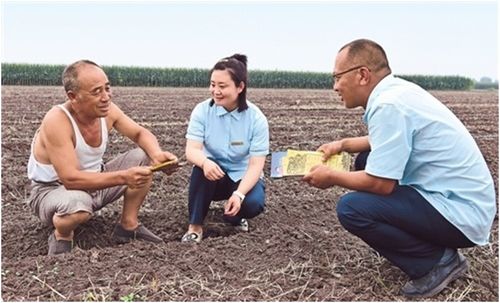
x=70 y=181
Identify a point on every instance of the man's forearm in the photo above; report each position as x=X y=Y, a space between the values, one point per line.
x=93 y=180
x=361 y=181
x=148 y=142
x=356 y=144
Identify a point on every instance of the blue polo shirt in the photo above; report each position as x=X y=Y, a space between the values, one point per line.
x=230 y=138
x=417 y=140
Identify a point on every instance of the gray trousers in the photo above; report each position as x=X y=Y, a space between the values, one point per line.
x=49 y=199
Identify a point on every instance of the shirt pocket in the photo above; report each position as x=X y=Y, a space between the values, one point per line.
x=239 y=149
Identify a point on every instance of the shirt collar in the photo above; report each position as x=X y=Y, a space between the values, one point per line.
x=377 y=90
x=221 y=111
x=380 y=87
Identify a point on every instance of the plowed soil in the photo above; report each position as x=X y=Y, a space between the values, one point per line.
x=295 y=251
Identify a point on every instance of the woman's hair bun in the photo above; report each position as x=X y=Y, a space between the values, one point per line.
x=240 y=57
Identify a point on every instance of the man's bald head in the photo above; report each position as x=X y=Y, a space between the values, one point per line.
x=70 y=74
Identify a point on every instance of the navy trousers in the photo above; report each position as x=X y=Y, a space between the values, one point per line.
x=203 y=191
x=403 y=227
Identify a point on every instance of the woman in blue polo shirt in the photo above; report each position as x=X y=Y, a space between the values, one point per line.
x=227 y=141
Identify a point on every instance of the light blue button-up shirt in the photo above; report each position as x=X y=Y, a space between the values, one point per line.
x=230 y=138
x=417 y=140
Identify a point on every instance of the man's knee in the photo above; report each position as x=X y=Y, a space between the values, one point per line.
x=137 y=155
x=77 y=198
x=65 y=224
x=350 y=218
x=76 y=218
x=83 y=216
x=72 y=201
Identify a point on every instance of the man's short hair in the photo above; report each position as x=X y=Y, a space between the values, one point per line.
x=367 y=52
x=70 y=75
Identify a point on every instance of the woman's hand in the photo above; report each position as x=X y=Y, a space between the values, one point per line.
x=211 y=170
x=232 y=206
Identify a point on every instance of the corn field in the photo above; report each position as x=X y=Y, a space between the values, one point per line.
x=37 y=74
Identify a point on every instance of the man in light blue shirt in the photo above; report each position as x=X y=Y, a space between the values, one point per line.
x=422 y=187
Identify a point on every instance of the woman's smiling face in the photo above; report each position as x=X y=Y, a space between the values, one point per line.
x=223 y=89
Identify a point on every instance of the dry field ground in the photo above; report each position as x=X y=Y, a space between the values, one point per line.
x=295 y=251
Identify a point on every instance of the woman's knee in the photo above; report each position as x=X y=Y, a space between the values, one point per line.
x=199 y=184
x=197 y=173
x=255 y=200
x=253 y=207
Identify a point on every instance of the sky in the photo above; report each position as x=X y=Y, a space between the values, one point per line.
x=422 y=37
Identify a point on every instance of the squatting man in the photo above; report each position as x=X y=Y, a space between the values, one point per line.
x=422 y=188
x=70 y=181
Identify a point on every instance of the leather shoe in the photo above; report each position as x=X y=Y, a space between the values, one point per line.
x=447 y=270
x=121 y=235
x=57 y=247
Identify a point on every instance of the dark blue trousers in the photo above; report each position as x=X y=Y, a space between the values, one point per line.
x=203 y=191
x=403 y=226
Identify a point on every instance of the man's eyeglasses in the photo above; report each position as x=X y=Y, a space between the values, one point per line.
x=336 y=76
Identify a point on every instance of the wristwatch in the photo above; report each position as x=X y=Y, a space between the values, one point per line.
x=239 y=195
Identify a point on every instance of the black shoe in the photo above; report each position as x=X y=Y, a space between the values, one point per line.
x=438 y=278
x=121 y=235
x=57 y=247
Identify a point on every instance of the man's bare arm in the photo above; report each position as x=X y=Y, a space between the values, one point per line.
x=56 y=133
x=140 y=135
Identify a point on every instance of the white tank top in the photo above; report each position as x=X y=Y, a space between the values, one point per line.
x=90 y=158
